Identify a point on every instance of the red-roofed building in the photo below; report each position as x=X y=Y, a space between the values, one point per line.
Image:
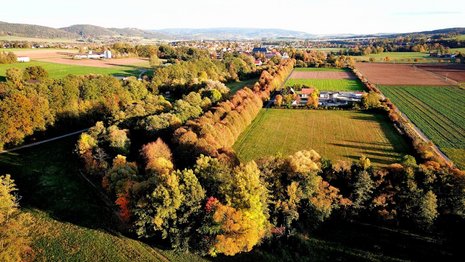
x=306 y=92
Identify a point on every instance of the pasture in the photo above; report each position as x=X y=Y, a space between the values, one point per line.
x=320 y=69
x=325 y=79
x=438 y=111
x=400 y=74
x=329 y=84
x=335 y=135
x=61 y=70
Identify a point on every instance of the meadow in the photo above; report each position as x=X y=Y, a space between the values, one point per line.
x=320 y=69
x=329 y=84
x=61 y=70
x=438 y=111
x=335 y=135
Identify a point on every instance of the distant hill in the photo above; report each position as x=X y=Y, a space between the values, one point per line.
x=92 y=31
x=233 y=33
x=88 y=30
x=36 y=31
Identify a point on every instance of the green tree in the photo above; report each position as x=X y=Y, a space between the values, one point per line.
x=362 y=191
x=427 y=210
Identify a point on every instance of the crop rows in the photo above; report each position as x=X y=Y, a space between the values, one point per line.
x=438 y=111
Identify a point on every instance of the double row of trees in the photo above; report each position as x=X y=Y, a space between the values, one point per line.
x=216 y=131
x=211 y=207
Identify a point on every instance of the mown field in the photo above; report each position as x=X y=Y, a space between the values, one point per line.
x=329 y=84
x=62 y=70
x=438 y=111
x=320 y=69
x=335 y=135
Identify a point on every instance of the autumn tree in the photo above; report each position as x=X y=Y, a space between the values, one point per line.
x=15 y=76
x=278 y=100
x=14 y=233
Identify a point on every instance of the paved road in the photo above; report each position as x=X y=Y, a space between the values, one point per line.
x=43 y=141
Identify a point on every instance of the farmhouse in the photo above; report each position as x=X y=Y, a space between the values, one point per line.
x=327 y=98
x=23 y=59
x=105 y=55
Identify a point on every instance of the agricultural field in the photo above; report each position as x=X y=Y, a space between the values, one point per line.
x=336 y=135
x=329 y=84
x=438 y=111
x=455 y=72
x=398 y=57
x=320 y=69
x=400 y=74
x=60 y=70
x=325 y=79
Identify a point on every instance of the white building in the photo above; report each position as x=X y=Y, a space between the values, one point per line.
x=23 y=59
x=105 y=55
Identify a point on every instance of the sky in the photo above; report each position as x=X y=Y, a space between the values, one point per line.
x=311 y=16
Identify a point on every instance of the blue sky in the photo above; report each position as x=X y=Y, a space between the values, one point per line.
x=312 y=16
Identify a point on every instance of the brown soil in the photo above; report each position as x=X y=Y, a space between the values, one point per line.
x=451 y=71
x=65 y=57
x=322 y=75
x=400 y=74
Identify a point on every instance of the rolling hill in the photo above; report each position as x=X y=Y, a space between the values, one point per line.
x=37 y=31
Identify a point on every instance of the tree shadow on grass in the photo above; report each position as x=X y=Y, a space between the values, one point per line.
x=48 y=179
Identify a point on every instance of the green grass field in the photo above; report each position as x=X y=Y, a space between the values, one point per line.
x=336 y=135
x=236 y=86
x=320 y=69
x=438 y=111
x=61 y=70
x=329 y=84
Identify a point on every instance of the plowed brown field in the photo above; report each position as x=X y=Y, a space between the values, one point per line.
x=400 y=74
x=450 y=71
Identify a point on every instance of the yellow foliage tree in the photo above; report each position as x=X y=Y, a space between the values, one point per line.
x=14 y=235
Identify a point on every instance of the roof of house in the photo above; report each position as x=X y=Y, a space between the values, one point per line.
x=259 y=49
x=307 y=91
